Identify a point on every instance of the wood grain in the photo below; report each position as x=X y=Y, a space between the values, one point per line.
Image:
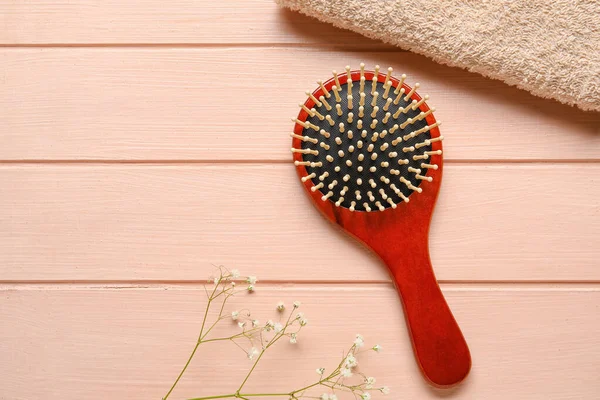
x=131 y=343
x=168 y=222
x=236 y=104
x=178 y=21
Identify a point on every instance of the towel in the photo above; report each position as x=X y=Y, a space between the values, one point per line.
x=549 y=47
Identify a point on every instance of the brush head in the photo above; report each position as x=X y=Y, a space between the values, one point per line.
x=366 y=141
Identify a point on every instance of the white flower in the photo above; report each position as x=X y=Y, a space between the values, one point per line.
x=278 y=327
x=350 y=361
x=303 y=321
x=232 y=284
x=255 y=323
x=333 y=397
x=252 y=280
x=320 y=371
x=297 y=304
x=324 y=396
x=251 y=288
x=370 y=381
x=299 y=315
x=252 y=353
x=269 y=325
x=377 y=348
x=385 y=390
x=235 y=273
x=366 y=396
x=346 y=373
x=235 y=315
x=216 y=281
x=293 y=338
x=241 y=324
x=359 y=341
x=280 y=306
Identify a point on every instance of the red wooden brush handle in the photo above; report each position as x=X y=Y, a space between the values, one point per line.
x=439 y=345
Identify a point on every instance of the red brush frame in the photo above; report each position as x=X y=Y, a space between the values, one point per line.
x=400 y=238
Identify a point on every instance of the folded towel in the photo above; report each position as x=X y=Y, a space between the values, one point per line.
x=548 y=47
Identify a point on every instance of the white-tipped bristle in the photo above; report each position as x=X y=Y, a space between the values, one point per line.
x=350 y=118
x=335 y=89
x=351 y=149
x=361 y=101
x=338 y=140
x=359 y=181
x=359 y=168
x=403 y=161
x=325 y=91
x=369 y=193
x=341 y=127
x=387 y=86
x=337 y=168
x=434 y=153
x=335 y=76
x=385 y=164
x=330 y=120
x=305 y=151
x=328 y=195
x=344 y=190
x=415 y=170
x=378 y=204
x=373 y=168
x=359 y=124
x=348 y=72
x=396 y=141
x=304 y=138
x=387 y=117
x=309 y=111
x=422 y=157
x=394 y=128
x=357 y=195
x=393 y=154
x=329 y=158
x=374 y=136
x=374 y=101
x=325 y=103
x=383 y=194
x=339 y=202
x=373 y=124
x=361 y=156
x=418 y=104
x=318 y=114
x=363 y=134
x=391 y=203
x=317 y=187
x=307 y=177
x=352 y=206
x=350 y=135
x=374 y=112
x=383 y=134
x=408 y=149
x=361 y=111
x=346 y=178
x=429 y=166
x=366 y=206
x=313 y=98
x=394 y=171
x=412 y=91
x=377 y=71
x=371 y=147
x=338 y=108
x=373 y=85
x=361 y=87
x=400 y=83
x=323 y=176
x=350 y=102
x=424 y=178
x=387 y=104
x=384 y=146
x=406 y=123
x=374 y=156
x=341 y=153
x=324 y=145
x=359 y=144
x=332 y=184
x=389 y=73
x=324 y=133
x=385 y=179
x=399 y=96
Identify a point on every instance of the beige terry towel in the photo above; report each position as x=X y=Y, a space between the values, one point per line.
x=548 y=47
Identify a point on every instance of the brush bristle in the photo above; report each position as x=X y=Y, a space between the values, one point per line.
x=367 y=146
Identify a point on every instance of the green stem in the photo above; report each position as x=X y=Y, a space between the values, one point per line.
x=182 y=371
x=223 y=396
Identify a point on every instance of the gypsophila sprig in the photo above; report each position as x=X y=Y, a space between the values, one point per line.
x=255 y=339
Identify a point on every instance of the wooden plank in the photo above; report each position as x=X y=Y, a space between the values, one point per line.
x=236 y=103
x=151 y=21
x=131 y=343
x=156 y=222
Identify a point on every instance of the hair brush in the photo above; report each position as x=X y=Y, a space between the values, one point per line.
x=368 y=151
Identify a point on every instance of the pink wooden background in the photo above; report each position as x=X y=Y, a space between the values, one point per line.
x=139 y=143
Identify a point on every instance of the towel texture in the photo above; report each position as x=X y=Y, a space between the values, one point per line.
x=548 y=47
